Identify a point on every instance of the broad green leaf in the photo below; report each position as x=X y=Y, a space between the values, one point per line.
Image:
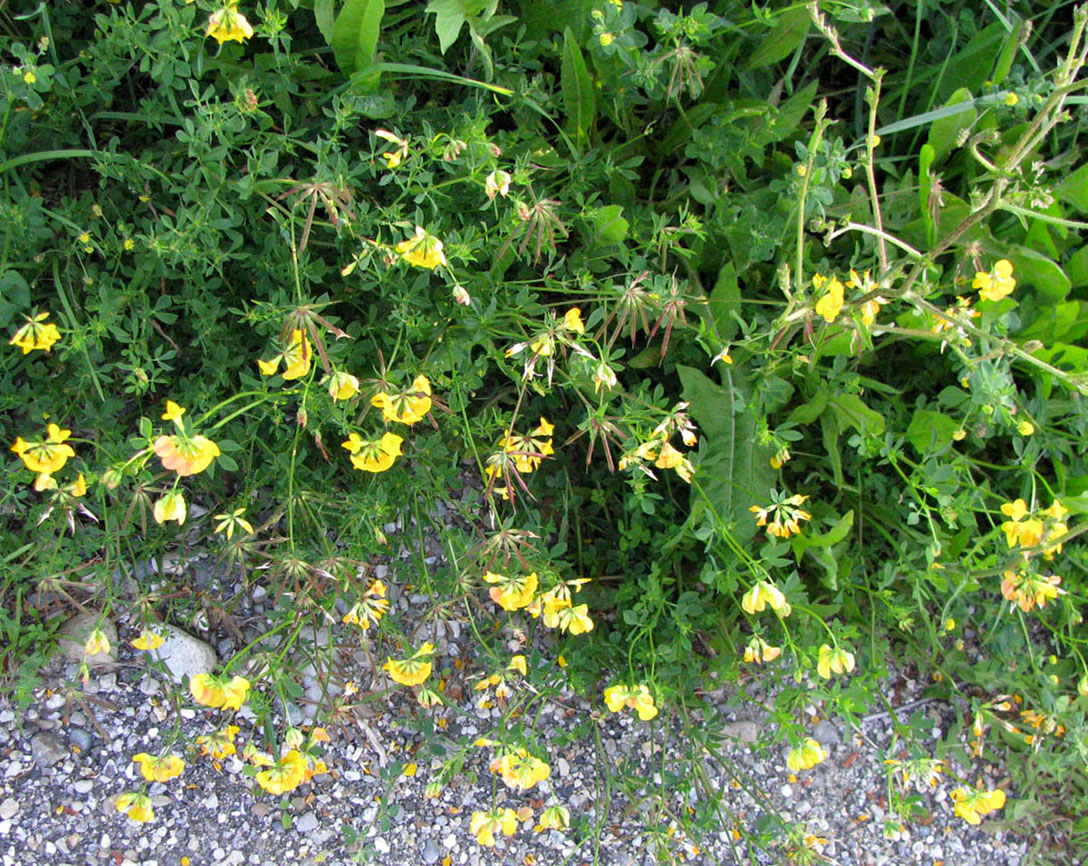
x=325 y=13
x=1068 y=358
x=782 y=40
x=355 y=35
x=1058 y=323
x=450 y=15
x=609 y=226
x=851 y=411
x=970 y=67
x=808 y=412
x=943 y=132
x=734 y=471
x=577 y=86
x=1074 y=189
x=833 y=536
x=1008 y=53
x=1077 y=268
x=1040 y=273
x=724 y=302
x=930 y=431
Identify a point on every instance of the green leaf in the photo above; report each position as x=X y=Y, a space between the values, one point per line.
x=1077 y=268
x=850 y=411
x=734 y=471
x=724 y=302
x=355 y=35
x=943 y=132
x=325 y=13
x=782 y=40
x=833 y=536
x=1074 y=189
x=450 y=15
x=930 y=431
x=577 y=86
x=808 y=412
x=925 y=187
x=609 y=226
x=1008 y=53
x=1041 y=273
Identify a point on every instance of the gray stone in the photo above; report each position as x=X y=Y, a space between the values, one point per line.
x=742 y=732
x=183 y=654
x=307 y=823
x=83 y=786
x=73 y=635
x=8 y=808
x=826 y=734
x=430 y=852
x=47 y=749
x=80 y=737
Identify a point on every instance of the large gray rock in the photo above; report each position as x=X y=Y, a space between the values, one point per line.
x=73 y=635
x=47 y=749
x=183 y=654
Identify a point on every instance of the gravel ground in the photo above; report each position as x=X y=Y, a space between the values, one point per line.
x=65 y=759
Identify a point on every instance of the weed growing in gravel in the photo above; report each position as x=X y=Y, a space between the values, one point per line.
x=508 y=361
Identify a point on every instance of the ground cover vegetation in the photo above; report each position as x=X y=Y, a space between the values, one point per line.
x=713 y=342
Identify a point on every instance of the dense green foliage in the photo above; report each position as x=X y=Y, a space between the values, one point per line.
x=830 y=271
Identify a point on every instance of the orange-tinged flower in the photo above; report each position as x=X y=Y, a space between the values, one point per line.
x=806 y=756
x=46 y=456
x=342 y=386
x=186 y=455
x=148 y=640
x=136 y=806
x=370 y=608
x=995 y=285
x=413 y=670
x=759 y=651
x=159 y=769
x=219 y=744
x=422 y=250
x=228 y=24
x=217 y=691
x=96 y=643
x=637 y=698
x=373 y=455
x=1030 y=590
x=285 y=775
x=485 y=825
x=36 y=334
x=972 y=804
x=171 y=506
x=512 y=593
x=406 y=407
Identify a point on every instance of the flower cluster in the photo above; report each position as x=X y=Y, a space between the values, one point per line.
x=414 y=669
x=37 y=333
x=485 y=825
x=637 y=698
x=996 y=284
x=973 y=803
x=370 y=608
x=519 y=455
x=229 y=25
x=765 y=594
x=559 y=610
x=759 y=651
x=833 y=660
x=218 y=692
x=783 y=516
x=806 y=756
x=296 y=358
x=422 y=250
x=520 y=770
x=500 y=683
x=558 y=334
x=373 y=455
x=1027 y=529
x=405 y=407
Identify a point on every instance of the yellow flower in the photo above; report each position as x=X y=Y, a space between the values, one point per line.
x=497 y=183
x=521 y=770
x=36 y=334
x=228 y=24
x=785 y=515
x=763 y=594
x=412 y=670
x=1030 y=590
x=136 y=806
x=46 y=456
x=342 y=386
x=285 y=775
x=568 y=618
x=422 y=250
x=485 y=825
x=296 y=358
x=512 y=593
x=96 y=643
x=553 y=818
x=186 y=455
x=806 y=756
x=1011 y=99
x=230 y=522
x=835 y=660
x=370 y=608
x=148 y=640
x=1025 y=428
x=604 y=375
x=830 y=304
x=972 y=804
x=572 y=321
x=517 y=663
x=217 y=691
x=170 y=507
x=638 y=698
x=997 y=284
x=393 y=158
x=159 y=769
x=373 y=455
x=406 y=407
x=759 y=651
x=173 y=411
x=219 y=744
